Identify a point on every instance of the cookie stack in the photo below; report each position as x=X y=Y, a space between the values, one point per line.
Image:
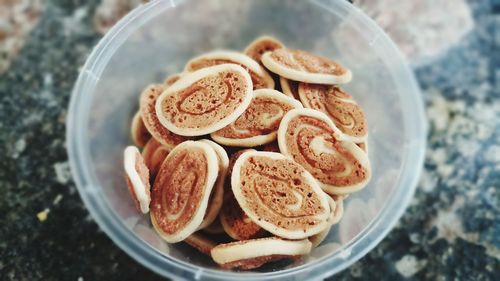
x=247 y=157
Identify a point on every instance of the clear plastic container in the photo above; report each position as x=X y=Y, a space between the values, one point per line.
x=157 y=38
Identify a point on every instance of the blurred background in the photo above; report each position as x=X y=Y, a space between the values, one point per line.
x=451 y=231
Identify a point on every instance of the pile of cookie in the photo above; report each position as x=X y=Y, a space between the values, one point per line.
x=248 y=157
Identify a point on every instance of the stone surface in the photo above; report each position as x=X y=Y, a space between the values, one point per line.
x=451 y=231
x=17 y=18
x=432 y=28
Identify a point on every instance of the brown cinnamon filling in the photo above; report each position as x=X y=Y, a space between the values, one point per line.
x=150 y=119
x=305 y=61
x=262 y=117
x=328 y=168
x=347 y=116
x=206 y=101
x=277 y=192
x=257 y=50
x=179 y=188
x=258 y=81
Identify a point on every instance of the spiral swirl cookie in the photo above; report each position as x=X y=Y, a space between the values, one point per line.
x=154 y=153
x=271 y=147
x=347 y=115
x=290 y=88
x=312 y=140
x=261 y=45
x=201 y=243
x=363 y=145
x=337 y=210
x=139 y=132
x=181 y=190
x=305 y=67
x=279 y=195
x=172 y=79
x=254 y=253
x=205 y=101
x=260 y=121
x=215 y=227
x=260 y=77
x=137 y=178
x=148 y=112
x=236 y=222
x=233 y=219
x=217 y=196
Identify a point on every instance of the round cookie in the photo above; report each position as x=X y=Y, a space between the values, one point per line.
x=217 y=196
x=181 y=190
x=254 y=253
x=137 y=178
x=154 y=153
x=311 y=139
x=339 y=210
x=236 y=222
x=260 y=77
x=347 y=115
x=147 y=104
x=205 y=101
x=172 y=79
x=305 y=67
x=233 y=219
x=261 y=45
x=260 y=121
x=215 y=227
x=271 y=147
x=290 y=88
x=363 y=145
x=201 y=243
x=139 y=132
x=337 y=207
x=279 y=195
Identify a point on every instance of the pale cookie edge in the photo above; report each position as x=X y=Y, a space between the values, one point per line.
x=301 y=76
x=129 y=159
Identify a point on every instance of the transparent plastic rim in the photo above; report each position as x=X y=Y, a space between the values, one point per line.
x=80 y=162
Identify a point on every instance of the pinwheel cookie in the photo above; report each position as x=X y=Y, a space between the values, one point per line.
x=182 y=189
x=337 y=210
x=260 y=121
x=205 y=101
x=254 y=253
x=201 y=242
x=347 y=115
x=139 y=132
x=290 y=88
x=154 y=153
x=137 y=178
x=363 y=145
x=148 y=113
x=271 y=147
x=279 y=195
x=233 y=219
x=311 y=139
x=260 y=77
x=305 y=67
x=217 y=196
x=172 y=79
x=215 y=227
x=261 y=45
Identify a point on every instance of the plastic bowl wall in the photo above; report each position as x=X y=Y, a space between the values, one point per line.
x=157 y=38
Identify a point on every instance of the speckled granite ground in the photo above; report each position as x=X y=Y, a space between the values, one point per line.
x=451 y=231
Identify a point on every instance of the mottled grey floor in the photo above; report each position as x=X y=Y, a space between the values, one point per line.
x=451 y=231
